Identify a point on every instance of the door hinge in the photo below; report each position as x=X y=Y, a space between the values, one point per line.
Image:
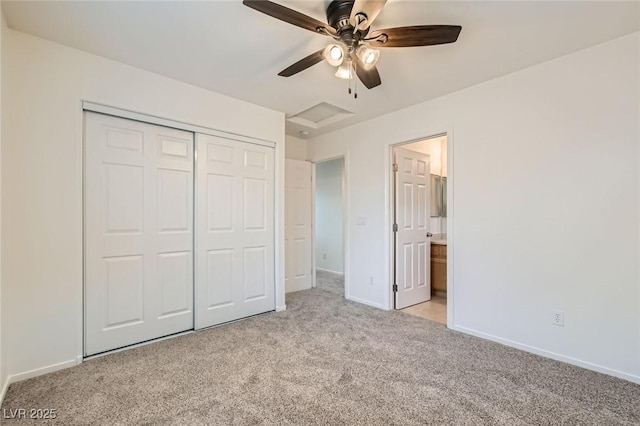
x=395 y=227
x=395 y=288
x=395 y=167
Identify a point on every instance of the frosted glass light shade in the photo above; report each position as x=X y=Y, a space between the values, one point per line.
x=344 y=71
x=367 y=55
x=334 y=54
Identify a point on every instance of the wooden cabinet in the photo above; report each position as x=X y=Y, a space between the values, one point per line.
x=438 y=269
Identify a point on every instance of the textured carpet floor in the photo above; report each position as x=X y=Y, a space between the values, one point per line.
x=329 y=281
x=328 y=361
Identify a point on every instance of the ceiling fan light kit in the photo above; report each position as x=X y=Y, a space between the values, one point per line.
x=349 y=22
x=367 y=55
x=344 y=71
x=334 y=54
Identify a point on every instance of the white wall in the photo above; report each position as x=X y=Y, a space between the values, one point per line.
x=3 y=369
x=43 y=86
x=329 y=242
x=295 y=148
x=529 y=192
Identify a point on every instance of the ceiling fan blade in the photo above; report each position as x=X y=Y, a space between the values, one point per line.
x=369 y=77
x=371 y=8
x=303 y=64
x=288 y=15
x=420 y=35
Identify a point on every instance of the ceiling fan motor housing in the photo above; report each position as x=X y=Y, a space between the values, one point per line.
x=338 y=14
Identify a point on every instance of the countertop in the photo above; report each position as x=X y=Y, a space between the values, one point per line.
x=440 y=239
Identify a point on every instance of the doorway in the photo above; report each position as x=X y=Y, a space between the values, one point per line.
x=419 y=211
x=329 y=252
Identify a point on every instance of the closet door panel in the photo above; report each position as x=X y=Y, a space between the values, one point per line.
x=235 y=230
x=138 y=232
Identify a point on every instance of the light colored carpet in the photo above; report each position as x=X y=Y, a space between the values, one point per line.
x=330 y=282
x=328 y=361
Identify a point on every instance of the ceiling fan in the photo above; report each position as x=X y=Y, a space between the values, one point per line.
x=353 y=48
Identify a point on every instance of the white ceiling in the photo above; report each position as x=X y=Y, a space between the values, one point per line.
x=231 y=49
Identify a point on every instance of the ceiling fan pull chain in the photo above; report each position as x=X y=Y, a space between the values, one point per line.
x=355 y=82
x=350 y=76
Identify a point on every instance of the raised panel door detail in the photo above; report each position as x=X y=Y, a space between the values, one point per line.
x=174 y=200
x=130 y=140
x=220 y=278
x=422 y=216
x=175 y=148
x=421 y=168
x=421 y=264
x=254 y=201
x=407 y=166
x=220 y=200
x=255 y=159
x=300 y=257
x=254 y=273
x=124 y=198
x=408 y=266
x=301 y=208
x=219 y=153
x=175 y=270
x=408 y=205
x=124 y=291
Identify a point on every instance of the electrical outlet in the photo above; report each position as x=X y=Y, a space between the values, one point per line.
x=371 y=280
x=558 y=318
x=324 y=256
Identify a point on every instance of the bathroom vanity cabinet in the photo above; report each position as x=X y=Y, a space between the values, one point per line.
x=439 y=269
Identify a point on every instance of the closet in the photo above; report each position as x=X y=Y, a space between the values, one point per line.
x=178 y=229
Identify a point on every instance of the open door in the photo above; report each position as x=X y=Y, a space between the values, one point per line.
x=411 y=228
x=298 y=225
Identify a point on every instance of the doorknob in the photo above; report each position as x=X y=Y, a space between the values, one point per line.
x=429 y=235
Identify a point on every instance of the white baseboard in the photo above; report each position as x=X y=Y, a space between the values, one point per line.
x=281 y=308
x=548 y=354
x=366 y=302
x=13 y=378
x=330 y=271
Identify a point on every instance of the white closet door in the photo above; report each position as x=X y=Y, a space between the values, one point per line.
x=138 y=232
x=235 y=230
x=297 y=224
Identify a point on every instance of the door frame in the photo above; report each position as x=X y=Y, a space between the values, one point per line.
x=389 y=242
x=345 y=211
x=279 y=206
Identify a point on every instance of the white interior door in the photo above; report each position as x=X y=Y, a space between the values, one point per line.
x=235 y=230
x=298 y=225
x=138 y=232
x=412 y=212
